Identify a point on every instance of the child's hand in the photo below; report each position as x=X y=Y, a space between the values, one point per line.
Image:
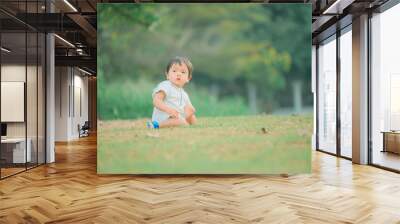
x=174 y=113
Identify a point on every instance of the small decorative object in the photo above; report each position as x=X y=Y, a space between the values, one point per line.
x=264 y=130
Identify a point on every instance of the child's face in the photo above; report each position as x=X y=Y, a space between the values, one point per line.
x=178 y=74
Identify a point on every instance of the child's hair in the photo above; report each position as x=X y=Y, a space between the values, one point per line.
x=180 y=60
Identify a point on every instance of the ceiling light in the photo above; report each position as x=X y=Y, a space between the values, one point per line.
x=70 y=5
x=84 y=71
x=337 y=7
x=5 y=49
x=331 y=7
x=64 y=40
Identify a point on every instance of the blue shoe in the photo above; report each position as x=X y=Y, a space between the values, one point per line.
x=152 y=124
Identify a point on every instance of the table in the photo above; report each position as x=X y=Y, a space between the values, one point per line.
x=16 y=147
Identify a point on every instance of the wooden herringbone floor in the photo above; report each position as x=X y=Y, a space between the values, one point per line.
x=70 y=191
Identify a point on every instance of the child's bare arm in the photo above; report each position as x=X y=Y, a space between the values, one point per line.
x=189 y=112
x=158 y=102
x=190 y=109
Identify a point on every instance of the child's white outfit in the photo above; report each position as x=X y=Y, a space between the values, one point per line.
x=175 y=97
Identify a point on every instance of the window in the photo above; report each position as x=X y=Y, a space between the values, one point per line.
x=385 y=88
x=346 y=92
x=327 y=95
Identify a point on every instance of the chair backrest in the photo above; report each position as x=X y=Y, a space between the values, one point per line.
x=86 y=124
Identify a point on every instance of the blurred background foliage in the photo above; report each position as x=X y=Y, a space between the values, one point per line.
x=248 y=58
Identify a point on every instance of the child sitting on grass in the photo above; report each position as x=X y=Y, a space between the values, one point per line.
x=172 y=106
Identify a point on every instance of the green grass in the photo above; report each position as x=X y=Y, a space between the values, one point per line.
x=216 y=145
x=132 y=99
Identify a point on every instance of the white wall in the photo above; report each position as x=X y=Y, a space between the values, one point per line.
x=12 y=73
x=33 y=126
x=79 y=110
x=17 y=73
x=70 y=83
x=62 y=81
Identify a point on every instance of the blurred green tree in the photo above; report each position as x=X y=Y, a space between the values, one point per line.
x=252 y=50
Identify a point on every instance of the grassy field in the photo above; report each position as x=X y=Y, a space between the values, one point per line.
x=131 y=99
x=264 y=144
